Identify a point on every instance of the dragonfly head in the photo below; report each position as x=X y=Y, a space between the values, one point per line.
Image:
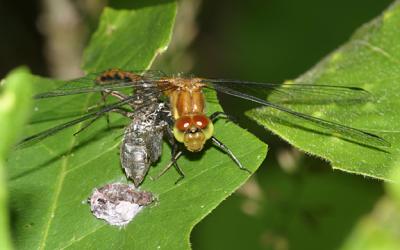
x=193 y=131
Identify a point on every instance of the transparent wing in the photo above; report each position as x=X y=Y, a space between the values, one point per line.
x=91 y=115
x=297 y=93
x=41 y=135
x=346 y=132
x=87 y=84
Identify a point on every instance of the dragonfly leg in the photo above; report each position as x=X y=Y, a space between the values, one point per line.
x=117 y=94
x=102 y=102
x=224 y=148
x=116 y=110
x=216 y=115
x=104 y=99
x=173 y=162
x=176 y=166
x=175 y=154
x=105 y=94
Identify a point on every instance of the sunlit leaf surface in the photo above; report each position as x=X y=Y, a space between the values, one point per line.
x=370 y=60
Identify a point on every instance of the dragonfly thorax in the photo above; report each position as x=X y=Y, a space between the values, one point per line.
x=186 y=98
x=192 y=127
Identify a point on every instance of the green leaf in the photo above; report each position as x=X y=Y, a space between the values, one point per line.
x=370 y=60
x=15 y=93
x=277 y=210
x=379 y=230
x=68 y=168
x=51 y=180
x=129 y=38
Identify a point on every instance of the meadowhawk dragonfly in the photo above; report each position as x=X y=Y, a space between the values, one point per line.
x=183 y=119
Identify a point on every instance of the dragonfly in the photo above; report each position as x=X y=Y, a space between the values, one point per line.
x=185 y=121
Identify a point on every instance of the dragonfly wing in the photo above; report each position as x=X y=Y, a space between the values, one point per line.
x=79 y=87
x=297 y=93
x=41 y=135
x=148 y=99
x=88 y=84
x=349 y=133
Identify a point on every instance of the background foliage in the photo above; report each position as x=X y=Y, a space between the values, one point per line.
x=287 y=38
x=14 y=109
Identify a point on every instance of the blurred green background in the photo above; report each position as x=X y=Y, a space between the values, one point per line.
x=294 y=201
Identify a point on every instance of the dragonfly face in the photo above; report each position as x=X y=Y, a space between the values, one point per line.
x=193 y=131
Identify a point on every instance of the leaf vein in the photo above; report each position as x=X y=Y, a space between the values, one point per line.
x=92 y=159
x=377 y=49
x=59 y=185
x=83 y=236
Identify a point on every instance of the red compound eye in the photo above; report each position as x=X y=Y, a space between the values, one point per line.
x=183 y=123
x=201 y=121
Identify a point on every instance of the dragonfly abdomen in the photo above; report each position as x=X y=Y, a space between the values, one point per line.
x=117 y=75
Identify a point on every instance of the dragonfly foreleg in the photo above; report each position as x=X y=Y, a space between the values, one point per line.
x=116 y=110
x=224 y=148
x=104 y=95
x=174 y=159
x=116 y=94
x=219 y=114
x=175 y=154
x=173 y=162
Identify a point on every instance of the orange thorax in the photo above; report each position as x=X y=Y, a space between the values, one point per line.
x=192 y=127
